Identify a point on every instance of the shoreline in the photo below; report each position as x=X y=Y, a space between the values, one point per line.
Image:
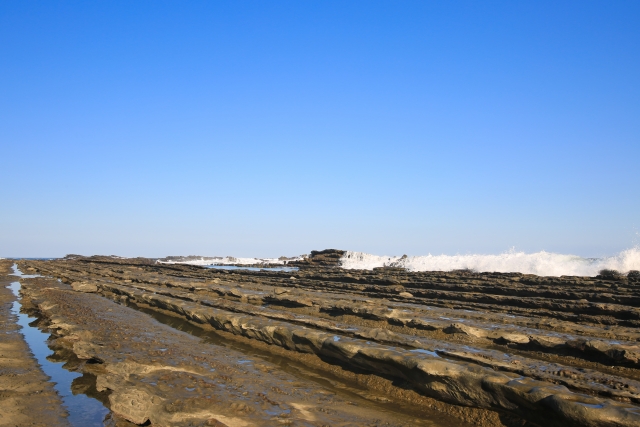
x=573 y=339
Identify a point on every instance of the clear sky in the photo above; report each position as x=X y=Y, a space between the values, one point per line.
x=267 y=128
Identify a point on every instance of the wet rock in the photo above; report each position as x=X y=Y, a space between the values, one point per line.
x=548 y=342
x=287 y=299
x=511 y=338
x=378 y=334
x=87 y=351
x=325 y=258
x=459 y=328
x=133 y=404
x=84 y=287
x=633 y=276
x=608 y=274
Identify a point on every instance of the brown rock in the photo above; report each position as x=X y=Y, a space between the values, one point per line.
x=84 y=287
x=459 y=328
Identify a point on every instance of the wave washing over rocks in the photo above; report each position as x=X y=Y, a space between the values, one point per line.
x=539 y=263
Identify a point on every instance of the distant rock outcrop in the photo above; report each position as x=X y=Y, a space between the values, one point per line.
x=325 y=258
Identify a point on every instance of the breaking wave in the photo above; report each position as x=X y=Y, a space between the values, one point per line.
x=540 y=263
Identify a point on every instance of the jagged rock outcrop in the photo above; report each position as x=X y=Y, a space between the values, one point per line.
x=325 y=258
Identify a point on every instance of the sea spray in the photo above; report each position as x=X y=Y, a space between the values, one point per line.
x=540 y=263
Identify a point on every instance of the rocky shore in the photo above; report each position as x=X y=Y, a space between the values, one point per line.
x=357 y=347
x=27 y=398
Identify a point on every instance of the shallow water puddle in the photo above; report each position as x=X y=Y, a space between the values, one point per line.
x=83 y=410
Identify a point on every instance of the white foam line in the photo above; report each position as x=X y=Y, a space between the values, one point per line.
x=540 y=263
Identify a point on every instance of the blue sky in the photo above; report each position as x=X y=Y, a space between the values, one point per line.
x=273 y=128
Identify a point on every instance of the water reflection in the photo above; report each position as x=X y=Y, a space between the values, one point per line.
x=71 y=386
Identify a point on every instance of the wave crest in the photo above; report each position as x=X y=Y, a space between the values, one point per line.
x=540 y=263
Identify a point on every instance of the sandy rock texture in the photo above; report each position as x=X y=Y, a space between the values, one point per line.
x=483 y=348
x=155 y=374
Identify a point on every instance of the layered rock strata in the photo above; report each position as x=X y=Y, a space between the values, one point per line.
x=552 y=351
x=156 y=375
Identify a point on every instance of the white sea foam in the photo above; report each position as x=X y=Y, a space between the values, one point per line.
x=540 y=263
x=227 y=260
